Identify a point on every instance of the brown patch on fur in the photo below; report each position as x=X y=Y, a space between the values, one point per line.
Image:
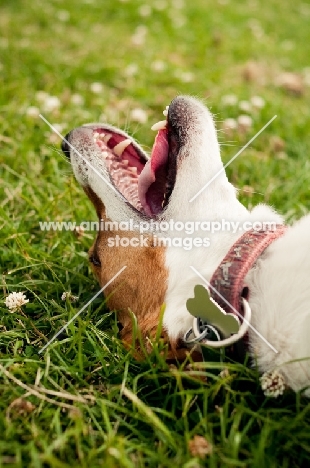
x=141 y=287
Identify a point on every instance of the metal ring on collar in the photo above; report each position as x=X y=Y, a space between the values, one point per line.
x=199 y=337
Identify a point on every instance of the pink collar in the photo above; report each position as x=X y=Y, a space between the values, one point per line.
x=228 y=278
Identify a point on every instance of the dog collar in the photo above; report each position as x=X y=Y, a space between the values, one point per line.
x=230 y=293
x=228 y=279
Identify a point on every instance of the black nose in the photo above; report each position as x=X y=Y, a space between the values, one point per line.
x=65 y=147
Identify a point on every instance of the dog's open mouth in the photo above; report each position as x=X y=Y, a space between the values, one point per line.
x=146 y=183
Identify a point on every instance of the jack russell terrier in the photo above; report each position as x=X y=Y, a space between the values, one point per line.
x=258 y=278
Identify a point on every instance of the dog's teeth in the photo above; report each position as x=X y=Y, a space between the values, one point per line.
x=165 y=112
x=119 y=149
x=105 y=138
x=134 y=170
x=96 y=135
x=159 y=125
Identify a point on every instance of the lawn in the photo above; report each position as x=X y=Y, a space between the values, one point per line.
x=85 y=401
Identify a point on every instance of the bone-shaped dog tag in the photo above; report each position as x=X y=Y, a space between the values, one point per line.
x=206 y=308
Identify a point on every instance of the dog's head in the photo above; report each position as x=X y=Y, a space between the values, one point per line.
x=125 y=184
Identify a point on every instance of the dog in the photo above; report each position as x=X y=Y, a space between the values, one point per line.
x=184 y=181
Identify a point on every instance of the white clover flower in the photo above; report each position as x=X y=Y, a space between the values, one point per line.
x=158 y=66
x=41 y=96
x=256 y=28
x=68 y=295
x=185 y=77
x=145 y=10
x=244 y=122
x=59 y=127
x=272 y=383
x=138 y=115
x=177 y=20
x=229 y=100
x=77 y=100
x=131 y=69
x=51 y=103
x=96 y=87
x=15 y=300
x=63 y=15
x=245 y=106
x=139 y=36
x=33 y=111
x=257 y=102
x=229 y=125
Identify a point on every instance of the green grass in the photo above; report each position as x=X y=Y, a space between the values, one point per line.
x=90 y=404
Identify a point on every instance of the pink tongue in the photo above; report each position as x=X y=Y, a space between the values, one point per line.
x=152 y=180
